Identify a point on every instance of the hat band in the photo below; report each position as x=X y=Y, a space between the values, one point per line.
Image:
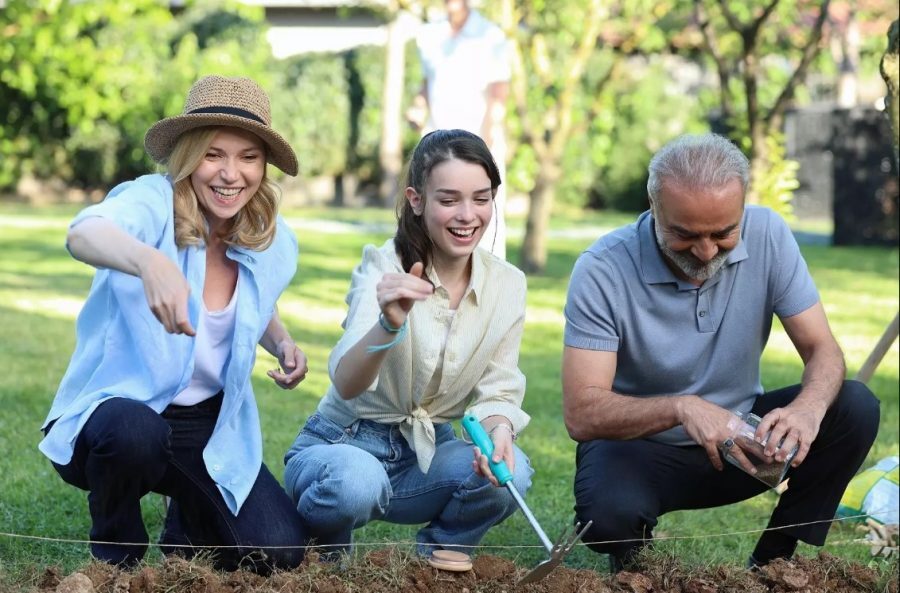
x=228 y=111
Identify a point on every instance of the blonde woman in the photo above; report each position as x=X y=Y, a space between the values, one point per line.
x=157 y=396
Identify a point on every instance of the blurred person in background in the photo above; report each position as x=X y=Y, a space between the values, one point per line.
x=466 y=65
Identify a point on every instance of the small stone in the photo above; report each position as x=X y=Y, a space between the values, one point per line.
x=634 y=582
x=75 y=583
x=122 y=584
x=795 y=579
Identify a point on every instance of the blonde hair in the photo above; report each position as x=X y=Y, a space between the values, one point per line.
x=253 y=227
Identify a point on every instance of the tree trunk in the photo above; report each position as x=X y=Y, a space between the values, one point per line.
x=390 y=150
x=759 y=162
x=345 y=183
x=755 y=125
x=534 y=246
x=848 y=81
x=890 y=71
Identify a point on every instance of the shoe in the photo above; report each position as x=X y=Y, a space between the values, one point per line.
x=616 y=564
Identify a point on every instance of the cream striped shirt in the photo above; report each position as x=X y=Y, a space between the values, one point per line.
x=479 y=368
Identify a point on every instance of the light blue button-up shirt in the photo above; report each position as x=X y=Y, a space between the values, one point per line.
x=122 y=350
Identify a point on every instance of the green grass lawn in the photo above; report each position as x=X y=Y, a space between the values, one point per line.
x=42 y=288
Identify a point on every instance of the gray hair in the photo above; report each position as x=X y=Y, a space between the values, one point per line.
x=705 y=160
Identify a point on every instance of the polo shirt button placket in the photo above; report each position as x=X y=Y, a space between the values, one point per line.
x=704 y=319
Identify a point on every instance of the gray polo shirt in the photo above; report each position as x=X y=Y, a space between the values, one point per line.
x=672 y=337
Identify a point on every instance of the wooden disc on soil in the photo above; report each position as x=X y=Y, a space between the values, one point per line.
x=450 y=560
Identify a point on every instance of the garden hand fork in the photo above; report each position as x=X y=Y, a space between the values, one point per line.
x=569 y=537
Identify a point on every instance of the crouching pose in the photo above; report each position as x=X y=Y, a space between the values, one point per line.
x=432 y=332
x=666 y=321
x=157 y=396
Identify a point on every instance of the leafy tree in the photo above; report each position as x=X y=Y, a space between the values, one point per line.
x=305 y=84
x=82 y=81
x=68 y=82
x=642 y=109
x=741 y=37
x=390 y=151
x=554 y=93
x=379 y=161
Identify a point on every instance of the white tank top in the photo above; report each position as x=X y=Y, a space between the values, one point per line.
x=212 y=348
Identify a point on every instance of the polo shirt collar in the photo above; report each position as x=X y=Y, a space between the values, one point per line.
x=655 y=269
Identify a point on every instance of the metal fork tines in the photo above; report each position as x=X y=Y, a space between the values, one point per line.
x=568 y=539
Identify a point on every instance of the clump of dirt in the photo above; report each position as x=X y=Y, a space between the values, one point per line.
x=391 y=571
x=488 y=568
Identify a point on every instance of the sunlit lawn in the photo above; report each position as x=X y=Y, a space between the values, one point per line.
x=41 y=290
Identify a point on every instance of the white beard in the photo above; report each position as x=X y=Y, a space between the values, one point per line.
x=687 y=264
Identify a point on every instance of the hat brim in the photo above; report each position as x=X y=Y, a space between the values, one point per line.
x=161 y=138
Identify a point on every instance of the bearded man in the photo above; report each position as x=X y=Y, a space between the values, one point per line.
x=666 y=321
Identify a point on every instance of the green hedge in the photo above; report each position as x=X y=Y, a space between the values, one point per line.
x=81 y=82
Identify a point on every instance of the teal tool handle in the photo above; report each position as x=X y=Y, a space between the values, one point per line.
x=481 y=438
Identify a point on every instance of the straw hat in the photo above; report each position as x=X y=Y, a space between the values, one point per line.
x=220 y=101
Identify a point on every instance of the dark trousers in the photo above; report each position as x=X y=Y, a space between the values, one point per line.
x=127 y=450
x=625 y=486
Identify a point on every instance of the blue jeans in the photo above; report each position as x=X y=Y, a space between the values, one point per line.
x=127 y=450
x=341 y=478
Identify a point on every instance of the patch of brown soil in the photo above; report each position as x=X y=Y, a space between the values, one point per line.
x=391 y=571
x=488 y=568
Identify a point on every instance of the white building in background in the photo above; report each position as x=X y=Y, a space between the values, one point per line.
x=305 y=26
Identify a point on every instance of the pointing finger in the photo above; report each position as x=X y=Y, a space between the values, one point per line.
x=184 y=327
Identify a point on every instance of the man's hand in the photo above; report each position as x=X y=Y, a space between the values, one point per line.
x=293 y=367
x=823 y=374
x=707 y=425
x=798 y=424
x=167 y=292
